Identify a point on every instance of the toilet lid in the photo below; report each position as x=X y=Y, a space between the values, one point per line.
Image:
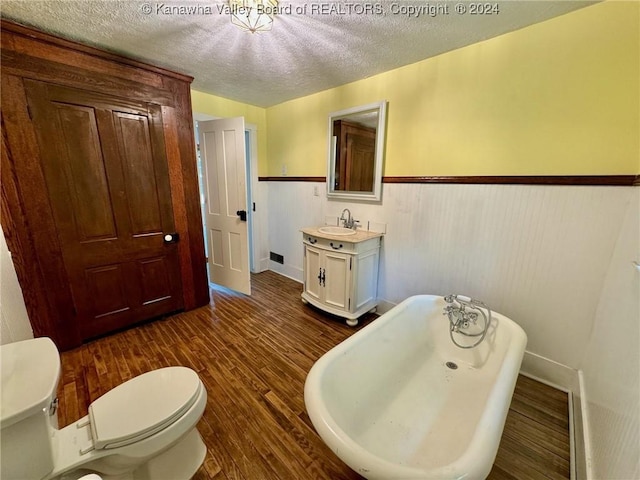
x=142 y=406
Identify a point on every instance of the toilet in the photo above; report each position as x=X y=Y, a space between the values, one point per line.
x=144 y=429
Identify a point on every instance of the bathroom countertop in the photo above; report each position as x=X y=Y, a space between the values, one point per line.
x=359 y=236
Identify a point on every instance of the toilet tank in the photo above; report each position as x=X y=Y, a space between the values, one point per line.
x=30 y=372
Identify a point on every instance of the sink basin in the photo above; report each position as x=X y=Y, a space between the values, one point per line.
x=337 y=231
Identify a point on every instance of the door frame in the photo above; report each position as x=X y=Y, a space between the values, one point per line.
x=259 y=216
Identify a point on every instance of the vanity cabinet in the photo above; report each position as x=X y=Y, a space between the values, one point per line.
x=341 y=276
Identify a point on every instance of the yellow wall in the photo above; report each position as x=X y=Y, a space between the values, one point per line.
x=222 y=107
x=558 y=98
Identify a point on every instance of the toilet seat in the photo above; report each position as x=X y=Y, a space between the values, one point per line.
x=142 y=406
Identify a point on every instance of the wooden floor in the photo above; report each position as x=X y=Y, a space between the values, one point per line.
x=253 y=354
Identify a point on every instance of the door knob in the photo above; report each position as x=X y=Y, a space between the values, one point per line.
x=242 y=214
x=171 y=237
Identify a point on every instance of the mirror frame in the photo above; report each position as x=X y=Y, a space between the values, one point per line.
x=376 y=194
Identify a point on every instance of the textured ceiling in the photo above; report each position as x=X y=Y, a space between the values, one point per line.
x=303 y=53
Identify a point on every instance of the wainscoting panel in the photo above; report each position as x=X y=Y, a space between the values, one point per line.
x=611 y=365
x=292 y=206
x=260 y=227
x=536 y=253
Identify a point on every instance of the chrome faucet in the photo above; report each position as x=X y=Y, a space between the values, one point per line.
x=460 y=318
x=349 y=221
x=464 y=311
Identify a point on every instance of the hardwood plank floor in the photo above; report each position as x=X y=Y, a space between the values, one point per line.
x=253 y=354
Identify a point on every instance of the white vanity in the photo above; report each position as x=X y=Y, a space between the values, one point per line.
x=341 y=270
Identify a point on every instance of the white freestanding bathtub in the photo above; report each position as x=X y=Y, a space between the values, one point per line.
x=387 y=404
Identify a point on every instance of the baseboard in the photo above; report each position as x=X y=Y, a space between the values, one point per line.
x=582 y=438
x=289 y=271
x=263 y=265
x=572 y=438
x=384 y=306
x=571 y=381
x=549 y=372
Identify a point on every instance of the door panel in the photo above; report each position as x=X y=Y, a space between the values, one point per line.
x=86 y=181
x=360 y=159
x=312 y=271
x=139 y=174
x=337 y=277
x=155 y=280
x=106 y=286
x=236 y=255
x=216 y=255
x=223 y=161
x=366 y=286
x=107 y=178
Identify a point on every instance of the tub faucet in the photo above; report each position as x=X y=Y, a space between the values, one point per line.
x=348 y=222
x=464 y=311
x=460 y=317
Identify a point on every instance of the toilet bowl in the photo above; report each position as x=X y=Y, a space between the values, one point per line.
x=144 y=429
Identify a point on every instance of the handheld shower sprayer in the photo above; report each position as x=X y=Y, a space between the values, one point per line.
x=463 y=313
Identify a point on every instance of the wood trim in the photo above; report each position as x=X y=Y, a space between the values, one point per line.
x=292 y=179
x=191 y=190
x=18 y=239
x=27 y=221
x=46 y=70
x=176 y=182
x=30 y=32
x=594 y=180
x=37 y=59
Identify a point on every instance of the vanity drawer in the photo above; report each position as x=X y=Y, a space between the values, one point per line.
x=329 y=244
x=340 y=245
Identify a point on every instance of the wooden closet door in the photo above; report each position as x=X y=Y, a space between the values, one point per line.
x=106 y=172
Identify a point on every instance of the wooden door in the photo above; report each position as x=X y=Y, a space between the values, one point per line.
x=222 y=146
x=105 y=168
x=360 y=161
x=355 y=163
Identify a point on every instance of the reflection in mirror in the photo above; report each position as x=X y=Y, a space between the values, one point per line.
x=356 y=144
x=355 y=149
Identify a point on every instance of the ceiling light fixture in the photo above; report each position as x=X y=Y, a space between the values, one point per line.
x=253 y=15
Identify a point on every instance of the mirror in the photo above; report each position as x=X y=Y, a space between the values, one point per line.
x=356 y=152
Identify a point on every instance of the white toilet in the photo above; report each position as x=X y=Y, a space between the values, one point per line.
x=143 y=429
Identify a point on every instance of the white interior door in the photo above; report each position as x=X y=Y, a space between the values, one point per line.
x=222 y=149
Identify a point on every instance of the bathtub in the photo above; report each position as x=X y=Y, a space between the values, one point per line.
x=385 y=401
